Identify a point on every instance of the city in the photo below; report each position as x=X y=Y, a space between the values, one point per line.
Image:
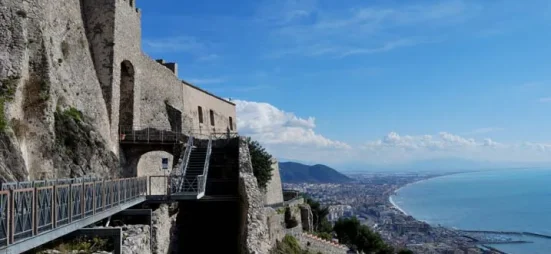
x=367 y=198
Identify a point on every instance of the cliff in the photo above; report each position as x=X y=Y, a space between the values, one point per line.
x=53 y=118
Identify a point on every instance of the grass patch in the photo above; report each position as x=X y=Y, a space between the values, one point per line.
x=73 y=113
x=3 y=121
x=7 y=94
x=81 y=245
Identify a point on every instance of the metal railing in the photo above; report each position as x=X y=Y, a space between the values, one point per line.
x=164 y=134
x=181 y=170
x=149 y=134
x=163 y=185
x=29 y=209
x=203 y=178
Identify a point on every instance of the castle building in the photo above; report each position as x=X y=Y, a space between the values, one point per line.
x=140 y=92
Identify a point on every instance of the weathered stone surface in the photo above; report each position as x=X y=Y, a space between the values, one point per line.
x=275 y=221
x=274 y=192
x=164 y=233
x=136 y=239
x=307 y=217
x=49 y=55
x=254 y=233
x=87 y=55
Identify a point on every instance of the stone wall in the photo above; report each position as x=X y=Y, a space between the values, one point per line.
x=164 y=231
x=275 y=220
x=48 y=65
x=222 y=111
x=254 y=235
x=274 y=190
x=316 y=244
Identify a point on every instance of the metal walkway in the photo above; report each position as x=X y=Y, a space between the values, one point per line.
x=35 y=213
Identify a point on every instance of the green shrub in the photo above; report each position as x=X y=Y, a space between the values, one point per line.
x=73 y=113
x=3 y=121
x=261 y=162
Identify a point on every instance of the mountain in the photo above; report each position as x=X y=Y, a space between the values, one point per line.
x=292 y=172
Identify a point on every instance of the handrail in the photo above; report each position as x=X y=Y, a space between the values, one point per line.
x=28 y=209
x=205 y=167
x=185 y=162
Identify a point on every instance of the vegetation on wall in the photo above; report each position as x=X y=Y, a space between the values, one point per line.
x=261 y=162
x=321 y=224
x=351 y=232
x=7 y=94
x=289 y=245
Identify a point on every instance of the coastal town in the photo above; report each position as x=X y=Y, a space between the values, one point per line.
x=368 y=198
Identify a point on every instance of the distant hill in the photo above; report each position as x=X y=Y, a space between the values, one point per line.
x=292 y=172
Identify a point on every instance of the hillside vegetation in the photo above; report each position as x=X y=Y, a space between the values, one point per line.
x=292 y=172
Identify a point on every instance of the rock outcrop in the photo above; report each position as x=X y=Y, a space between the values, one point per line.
x=164 y=233
x=46 y=67
x=254 y=232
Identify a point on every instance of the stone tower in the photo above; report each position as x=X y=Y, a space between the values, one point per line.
x=113 y=28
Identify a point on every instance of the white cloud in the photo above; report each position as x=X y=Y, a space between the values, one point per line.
x=272 y=126
x=289 y=136
x=361 y=30
x=484 y=130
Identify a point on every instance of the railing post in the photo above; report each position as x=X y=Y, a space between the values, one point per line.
x=93 y=197
x=70 y=202
x=34 y=213
x=52 y=207
x=12 y=216
x=82 y=199
x=103 y=201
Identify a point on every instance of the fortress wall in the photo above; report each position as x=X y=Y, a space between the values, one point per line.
x=194 y=97
x=158 y=86
x=274 y=190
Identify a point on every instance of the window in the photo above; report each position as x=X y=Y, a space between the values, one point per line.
x=211 y=117
x=231 y=123
x=200 y=110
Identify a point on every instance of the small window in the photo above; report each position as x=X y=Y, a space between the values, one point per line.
x=200 y=110
x=211 y=117
x=231 y=123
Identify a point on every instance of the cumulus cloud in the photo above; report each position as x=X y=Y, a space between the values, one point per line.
x=273 y=126
x=292 y=137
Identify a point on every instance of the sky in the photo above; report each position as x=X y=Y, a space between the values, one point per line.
x=370 y=82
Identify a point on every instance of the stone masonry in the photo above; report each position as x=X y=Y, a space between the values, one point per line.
x=87 y=55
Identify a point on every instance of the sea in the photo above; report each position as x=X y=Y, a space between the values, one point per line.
x=496 y=200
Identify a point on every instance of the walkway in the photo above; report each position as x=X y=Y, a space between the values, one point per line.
x=34 y=213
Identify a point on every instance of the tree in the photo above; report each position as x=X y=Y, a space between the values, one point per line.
x=261 y=162
x=352 y=233
x=319 y=216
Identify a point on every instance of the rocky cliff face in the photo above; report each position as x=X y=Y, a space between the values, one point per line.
x=254 y=233
x=53 y=118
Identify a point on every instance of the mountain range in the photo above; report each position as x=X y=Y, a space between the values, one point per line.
x=293 y=172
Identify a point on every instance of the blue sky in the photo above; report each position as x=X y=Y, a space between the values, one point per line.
x=370 y=81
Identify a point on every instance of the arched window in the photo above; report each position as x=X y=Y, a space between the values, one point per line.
x=126 y=106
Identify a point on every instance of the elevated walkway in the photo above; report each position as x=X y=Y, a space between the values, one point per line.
x=37 y=212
